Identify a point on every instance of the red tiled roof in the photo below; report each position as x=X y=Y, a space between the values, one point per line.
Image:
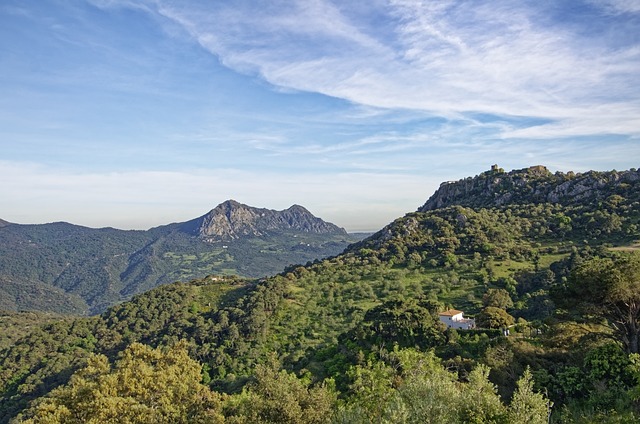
x=450 y=312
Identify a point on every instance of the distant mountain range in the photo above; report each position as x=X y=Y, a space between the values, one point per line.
x=67 y=268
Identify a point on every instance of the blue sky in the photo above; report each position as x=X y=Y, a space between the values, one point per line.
x=133 y=114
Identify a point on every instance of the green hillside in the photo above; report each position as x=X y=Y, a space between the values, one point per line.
x=356 y=337
x=66 y=268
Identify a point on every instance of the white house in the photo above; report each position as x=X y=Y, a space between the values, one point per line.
x=454 y=319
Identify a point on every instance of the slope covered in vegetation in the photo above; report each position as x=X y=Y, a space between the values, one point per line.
x=67 y=268
x=357 y=336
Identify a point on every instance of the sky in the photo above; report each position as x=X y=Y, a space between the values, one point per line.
x=137 y=113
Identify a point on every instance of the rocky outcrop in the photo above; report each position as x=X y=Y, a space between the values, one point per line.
x=233 y=220
x=535 y=184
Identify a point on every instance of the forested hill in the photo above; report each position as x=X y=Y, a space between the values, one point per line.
x=66 y=268
x=357 y=338
x=533 y=206
x=535 y=185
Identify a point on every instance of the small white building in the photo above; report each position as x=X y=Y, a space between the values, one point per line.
x=453 y=318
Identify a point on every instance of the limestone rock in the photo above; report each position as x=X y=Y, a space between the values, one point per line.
x=232 y=220
x=535 y=184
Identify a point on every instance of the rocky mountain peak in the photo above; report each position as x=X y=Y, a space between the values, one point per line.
x=535 y=184
x=233 y=220
x=297 y=209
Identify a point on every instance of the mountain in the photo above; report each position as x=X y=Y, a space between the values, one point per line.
x=531 y=205
x=347 y=320
x=80 y=269
x=232 y=220
x=536 y=185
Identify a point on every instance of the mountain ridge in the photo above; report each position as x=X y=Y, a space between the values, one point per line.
x=535 y=184
x=231 y=220
x=597 y=204
x=91 y=269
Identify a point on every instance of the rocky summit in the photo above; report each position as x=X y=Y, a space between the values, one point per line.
x=535 y=184
x=232 y=220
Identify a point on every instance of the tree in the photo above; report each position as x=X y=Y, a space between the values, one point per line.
x=278 y=396
x=609 y=289
x=498 y=298
x=528 y=406
x=608 y=376
x=371 y=389
x=419 y=390
x=146 y=385
x=480 y=402
x=404 y=321
x=492 y=317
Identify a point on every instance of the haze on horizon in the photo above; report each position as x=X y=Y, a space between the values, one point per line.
x=136 y=114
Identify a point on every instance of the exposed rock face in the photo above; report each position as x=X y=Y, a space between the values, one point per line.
x=4 y=223
x=530 y=185
x=232 y=220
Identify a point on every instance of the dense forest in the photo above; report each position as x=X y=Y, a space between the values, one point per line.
x=552 y=280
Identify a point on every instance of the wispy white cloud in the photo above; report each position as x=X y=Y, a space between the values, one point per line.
x=358 y=110
x=444 y=58
x=619 y=6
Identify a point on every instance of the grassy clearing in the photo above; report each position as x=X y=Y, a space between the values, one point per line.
x=546 y=260
x=506 y=268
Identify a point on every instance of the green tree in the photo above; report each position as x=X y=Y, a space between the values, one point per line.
x=498 y=298
x=492 y=317
x=278 y=396
x=480 y=401
x=404 y=321
x=610 y=289
x=527 y=406
x=372 y=387
x=145 y=385
x=414 y=388
x=608 y=371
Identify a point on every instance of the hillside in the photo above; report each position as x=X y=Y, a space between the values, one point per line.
x=23 y=294
x=66 y=268
x=366 y=321
x=536 y=207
